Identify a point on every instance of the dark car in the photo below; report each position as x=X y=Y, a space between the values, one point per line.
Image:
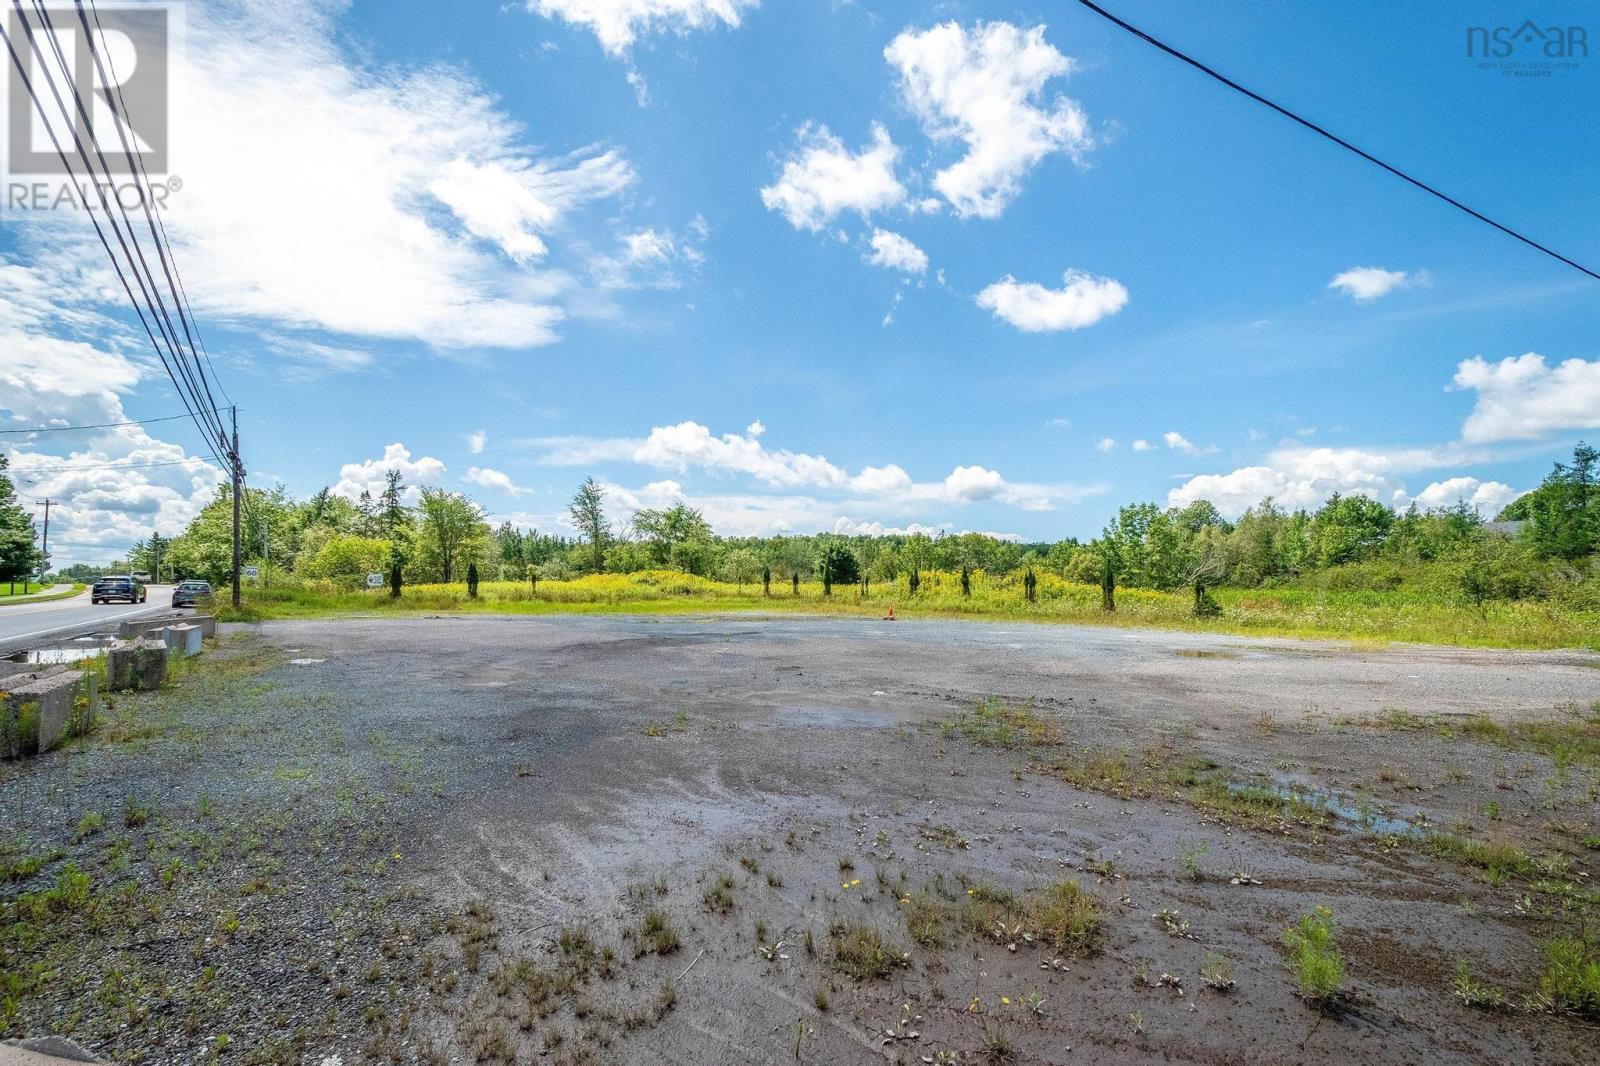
x=117 y=587
x=192 y=594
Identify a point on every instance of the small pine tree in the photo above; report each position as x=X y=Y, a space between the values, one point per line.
x=1204 y=605
x=794 y=579
x=1108 y=587
x=394 y=579
x=766 y=580
x=1030 y=585
x=966 y=581
x=472 y=580
x=915 y=581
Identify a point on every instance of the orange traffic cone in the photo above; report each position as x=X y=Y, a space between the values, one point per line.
x=890 y=616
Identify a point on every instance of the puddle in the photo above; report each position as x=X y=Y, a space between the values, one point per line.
x=306 y=662
x=1371 y=818
x=1205 y=653
x=848 y=717
x=81 y=648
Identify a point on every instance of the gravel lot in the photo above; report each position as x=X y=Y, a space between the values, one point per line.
x=437 y=839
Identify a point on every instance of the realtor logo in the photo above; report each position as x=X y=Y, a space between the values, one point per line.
x=1527 y=50
x=107 y=89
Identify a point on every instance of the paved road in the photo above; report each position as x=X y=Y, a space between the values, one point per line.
x=29 y=625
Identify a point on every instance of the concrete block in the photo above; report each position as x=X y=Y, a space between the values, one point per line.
x=39 y=714
x=182 y=639
x=139 y=664
x=144 y=627
x=207 y=624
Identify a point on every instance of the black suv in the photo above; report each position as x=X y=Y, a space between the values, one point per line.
x=121 y=587
x=192 y=594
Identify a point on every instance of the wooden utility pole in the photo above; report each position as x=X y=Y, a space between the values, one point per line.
x=44 y=548
x=238 y=489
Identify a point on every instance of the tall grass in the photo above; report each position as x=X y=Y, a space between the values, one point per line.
x=1403 y=614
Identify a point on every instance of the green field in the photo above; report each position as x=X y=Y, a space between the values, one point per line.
x=1387 y=615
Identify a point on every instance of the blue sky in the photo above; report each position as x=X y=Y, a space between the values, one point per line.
x=857 y=266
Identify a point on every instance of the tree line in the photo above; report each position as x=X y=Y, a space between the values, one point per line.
x=1546 y=540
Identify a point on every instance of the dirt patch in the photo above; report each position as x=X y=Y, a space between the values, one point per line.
x=675 y=840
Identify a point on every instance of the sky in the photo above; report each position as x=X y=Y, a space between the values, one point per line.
x=854 y=266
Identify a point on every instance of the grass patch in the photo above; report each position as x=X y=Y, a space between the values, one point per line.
x=656 y=934
x=863 y=952
x=992 y=724
x=1064 y=916
x=1571 y=978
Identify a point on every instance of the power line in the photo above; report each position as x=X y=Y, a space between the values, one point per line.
x=1336 y=139
x=116 y=263
x=195 y=377
x=25 y=471
x=138 y=158
x=102 y=425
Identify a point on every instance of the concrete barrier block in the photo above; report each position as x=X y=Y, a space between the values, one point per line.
x=39 y=714
x=139 y=664
x=182 y=639
x=207 y=624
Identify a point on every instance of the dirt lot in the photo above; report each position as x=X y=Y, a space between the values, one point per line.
x=730 y=840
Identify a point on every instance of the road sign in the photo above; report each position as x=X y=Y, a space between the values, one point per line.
x=252 y=571
x=374 y=581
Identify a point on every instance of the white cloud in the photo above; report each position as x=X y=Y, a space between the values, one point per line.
x=823 y=178
x=489 y=478
x=369 y=475
x=985 y=88
x=1105 y=444
x=619 y=23
x=756 y=428
x=1369 y=283
x=690 y=445
x=476 y=440
x=1142 y=445
x=1305 y=477
x=1488 y=498
x=849 y=527
x=324 y=191
x=110 y=487
x=1179 y=443
x=897 y=253
x=1081 y=301
x=648 y=259
x=1524 y=398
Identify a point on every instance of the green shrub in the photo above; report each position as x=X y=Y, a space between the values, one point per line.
x=1571 y=979
x=1314 y=960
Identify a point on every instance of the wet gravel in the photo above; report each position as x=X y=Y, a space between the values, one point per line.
x=345 y=788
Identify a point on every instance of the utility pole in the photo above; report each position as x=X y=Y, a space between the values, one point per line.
x=266 y=549
x=238 y=487
x=44 y=550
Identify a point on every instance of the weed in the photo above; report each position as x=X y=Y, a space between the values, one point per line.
x=1314 y=959
x=1216 y=972
x=774 y=879
x=820 y=1000
x=1475 y=993
x=90 y=824
x=1189 y=856
x=719 y=897
x=1063 y=915
x=134 y=813
x=656 y=934
x=1571 y=979
x=924 y=920
x=864 y=953
x=749 y=864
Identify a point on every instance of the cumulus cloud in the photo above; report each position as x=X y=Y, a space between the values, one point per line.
x=1369 y=283
x=822 y=178
x=369 y=474
x=110 y=486
x=619 y=23
x=897 y=253
x=1105 y=444
x=984 y=87
x=1524 y=398
x=1488 y=498
x=325 y=191
x=692 y=446
x=1082 y=301
x=1305 y=477
x=1179 y=443
x=489 y=478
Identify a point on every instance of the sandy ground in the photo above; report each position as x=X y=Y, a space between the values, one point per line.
x=434 y=801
